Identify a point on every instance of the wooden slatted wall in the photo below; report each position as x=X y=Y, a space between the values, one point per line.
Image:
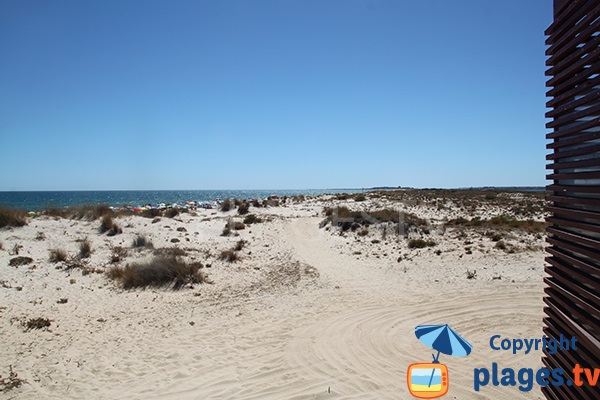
x=573 y=260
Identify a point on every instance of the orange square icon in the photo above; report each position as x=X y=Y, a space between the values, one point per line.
x=427 y=380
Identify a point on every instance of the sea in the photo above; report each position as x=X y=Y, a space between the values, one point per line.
x=37 y=201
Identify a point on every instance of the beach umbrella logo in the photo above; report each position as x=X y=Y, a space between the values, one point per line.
x=430 y=380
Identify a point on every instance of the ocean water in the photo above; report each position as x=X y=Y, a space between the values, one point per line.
x=34 y=201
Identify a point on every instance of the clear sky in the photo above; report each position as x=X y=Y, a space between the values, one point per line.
x=281 y=94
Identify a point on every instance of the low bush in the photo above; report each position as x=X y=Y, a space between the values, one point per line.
x=18 y=261
x=239 y=245
x=159 y=272
x=232 y=226
x=11 y=217
x=171 y=212
x=37 y=323
x=501 y=221
x=420 y=243
x=243 y=208
x=252 y=219
x=226 y=205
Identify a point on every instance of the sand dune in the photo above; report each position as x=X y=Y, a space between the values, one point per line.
x=301 y=316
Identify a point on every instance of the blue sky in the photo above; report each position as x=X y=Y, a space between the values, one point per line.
x=275 y=94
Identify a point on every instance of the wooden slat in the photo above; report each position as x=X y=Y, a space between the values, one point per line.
x=557 y=166
x=555 y=326
x=583 y=201
x=568 y=96
x=573 y=189
x=575 y=175
x=573 y=261
x=575 y=214
x=574 y=116
x=581 y=62
x=591 y=97
x=559 y=45
x=574 y=238
x=575 y=55
x=584 y=150
x=577 y=79
x=573 y=224
x=567 y=18
x=562 y=132
x=575 y=293
x=584 y=137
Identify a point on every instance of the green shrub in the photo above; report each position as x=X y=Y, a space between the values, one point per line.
x=158 y=272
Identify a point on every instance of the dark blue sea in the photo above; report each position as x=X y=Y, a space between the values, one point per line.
x=34 y=201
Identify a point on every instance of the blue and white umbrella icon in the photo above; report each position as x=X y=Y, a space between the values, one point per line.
x=443 y=339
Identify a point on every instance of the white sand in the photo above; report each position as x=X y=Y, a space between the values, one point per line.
x=301 y=316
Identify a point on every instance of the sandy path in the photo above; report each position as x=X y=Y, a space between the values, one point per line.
x=349 y=337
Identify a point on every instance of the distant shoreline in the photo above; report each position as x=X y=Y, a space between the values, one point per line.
x=41 y=200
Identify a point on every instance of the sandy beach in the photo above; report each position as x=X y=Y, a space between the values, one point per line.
x=310 y=309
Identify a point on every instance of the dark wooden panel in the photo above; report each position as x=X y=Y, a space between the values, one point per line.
x=572 y=292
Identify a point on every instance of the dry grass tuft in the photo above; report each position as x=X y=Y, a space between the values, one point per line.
x=85 y=248
x=229 y=256
x=11 y=382
x=160 y=271
x=142 y=241
x=57 y=255
x=11 y=217
x=243 y=208
x=118 y=253
x=226 y=205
